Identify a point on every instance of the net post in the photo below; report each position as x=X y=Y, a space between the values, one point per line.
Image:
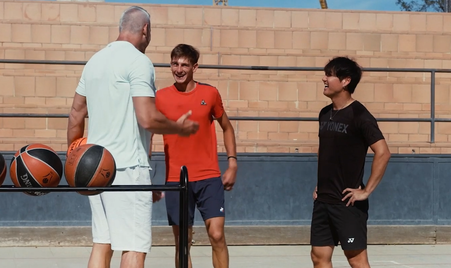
x=183 y=218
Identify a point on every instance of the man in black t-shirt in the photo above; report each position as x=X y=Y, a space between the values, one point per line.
x=346 y=130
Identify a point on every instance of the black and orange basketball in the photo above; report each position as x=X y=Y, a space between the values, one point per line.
x=2 y=169
x=90 y=165
x=36 y=165
x=75 y=144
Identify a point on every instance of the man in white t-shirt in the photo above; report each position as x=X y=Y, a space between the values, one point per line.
x=117 y=90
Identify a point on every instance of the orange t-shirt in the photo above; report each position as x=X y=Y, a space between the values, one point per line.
x=197 y=152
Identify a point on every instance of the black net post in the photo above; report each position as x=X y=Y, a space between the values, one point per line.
x=183 y=218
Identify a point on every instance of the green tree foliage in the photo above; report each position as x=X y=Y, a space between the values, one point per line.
x=425 y=5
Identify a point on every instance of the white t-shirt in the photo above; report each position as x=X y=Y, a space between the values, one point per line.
x=109 y=80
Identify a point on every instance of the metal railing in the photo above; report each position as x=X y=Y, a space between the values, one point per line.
x=432 y=119
x=182 y=188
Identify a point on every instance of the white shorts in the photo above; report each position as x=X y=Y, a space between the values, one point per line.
x=123 y=219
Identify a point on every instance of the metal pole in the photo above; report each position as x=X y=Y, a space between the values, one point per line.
x=112 y=188
x=183 y=219
x=432 y=106
x=242 y=118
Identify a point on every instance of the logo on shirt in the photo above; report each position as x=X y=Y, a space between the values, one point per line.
x=333 y=126
x=203 y=102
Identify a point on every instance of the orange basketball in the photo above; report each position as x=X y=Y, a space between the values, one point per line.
x=2 y=169
x=90 y=165
x=36 y=165
x=75 y=144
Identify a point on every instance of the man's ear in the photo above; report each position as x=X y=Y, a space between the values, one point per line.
x=146 y=31
x=195 y=66
x=345 y=82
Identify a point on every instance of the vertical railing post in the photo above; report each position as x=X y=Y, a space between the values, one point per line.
x=432 y=106
x=183 y=219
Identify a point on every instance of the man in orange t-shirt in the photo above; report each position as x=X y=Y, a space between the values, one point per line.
x=197 y=152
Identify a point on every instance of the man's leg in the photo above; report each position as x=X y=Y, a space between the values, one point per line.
x=323 y=236
x=357 y=258
x=133 y=259
x=322 y=256
x=172 y=200
x=101 y=255
x=175 y=230
x=101 y=252
x=209 y=196
x=129 y=217
x=351 y=225
x=220 y=253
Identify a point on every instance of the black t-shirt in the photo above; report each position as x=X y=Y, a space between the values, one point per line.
x=343 y=145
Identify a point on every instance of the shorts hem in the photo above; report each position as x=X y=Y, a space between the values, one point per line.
x=101 y=242
x=132 y=250
x=211 y=217
x=323 y=245
x=355 y=248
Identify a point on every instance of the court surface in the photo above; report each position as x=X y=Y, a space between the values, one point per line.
x=389 y=256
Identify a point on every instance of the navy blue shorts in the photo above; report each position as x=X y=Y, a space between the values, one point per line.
x=207 y=195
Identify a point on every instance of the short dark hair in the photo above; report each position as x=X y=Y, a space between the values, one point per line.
x=185 y=51
x=343 y=67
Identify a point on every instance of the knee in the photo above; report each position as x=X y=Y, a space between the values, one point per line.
x=318 y=258
x=315 y=258
x=357 y=258
x=216 y=237
x=358 y=263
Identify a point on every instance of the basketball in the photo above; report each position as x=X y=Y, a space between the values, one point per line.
x=2 y=169
x=90 y=165
x=75 y=144
x=36 y=165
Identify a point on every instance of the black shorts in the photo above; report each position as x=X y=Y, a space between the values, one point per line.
x=333 y=223
x=207 y=195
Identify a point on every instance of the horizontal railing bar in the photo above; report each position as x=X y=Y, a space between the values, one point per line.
x=243 y=118
x=442 y=70
x=57 y=62
x=34 y=115
x=113 y=188
x=232 y=67
x=263 y=118
x=269 y=118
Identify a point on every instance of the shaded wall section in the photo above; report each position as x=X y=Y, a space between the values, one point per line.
x=271 y=190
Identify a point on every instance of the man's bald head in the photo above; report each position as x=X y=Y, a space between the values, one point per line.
x=133 y=20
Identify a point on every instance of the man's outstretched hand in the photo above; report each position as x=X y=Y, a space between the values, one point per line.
x=188 y=127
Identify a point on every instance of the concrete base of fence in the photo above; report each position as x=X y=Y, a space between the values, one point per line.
x=235 y=235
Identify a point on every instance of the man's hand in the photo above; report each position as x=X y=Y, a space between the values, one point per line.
x=354 y=195
x=315 y=193
x=188 y=127
x=229 y=177
x=157 y=196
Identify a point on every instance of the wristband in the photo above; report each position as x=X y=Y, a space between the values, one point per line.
x=234 y=157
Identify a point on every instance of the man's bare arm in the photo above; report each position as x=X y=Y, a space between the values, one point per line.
x=154 y=121
x=77 y=115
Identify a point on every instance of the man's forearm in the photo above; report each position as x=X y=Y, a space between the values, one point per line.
x=159 y=124
x=378 y=168
x=229 y=142
x=230 y=146
x=74 y=130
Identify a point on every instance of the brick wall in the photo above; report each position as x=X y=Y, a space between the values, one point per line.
x=235 y=36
